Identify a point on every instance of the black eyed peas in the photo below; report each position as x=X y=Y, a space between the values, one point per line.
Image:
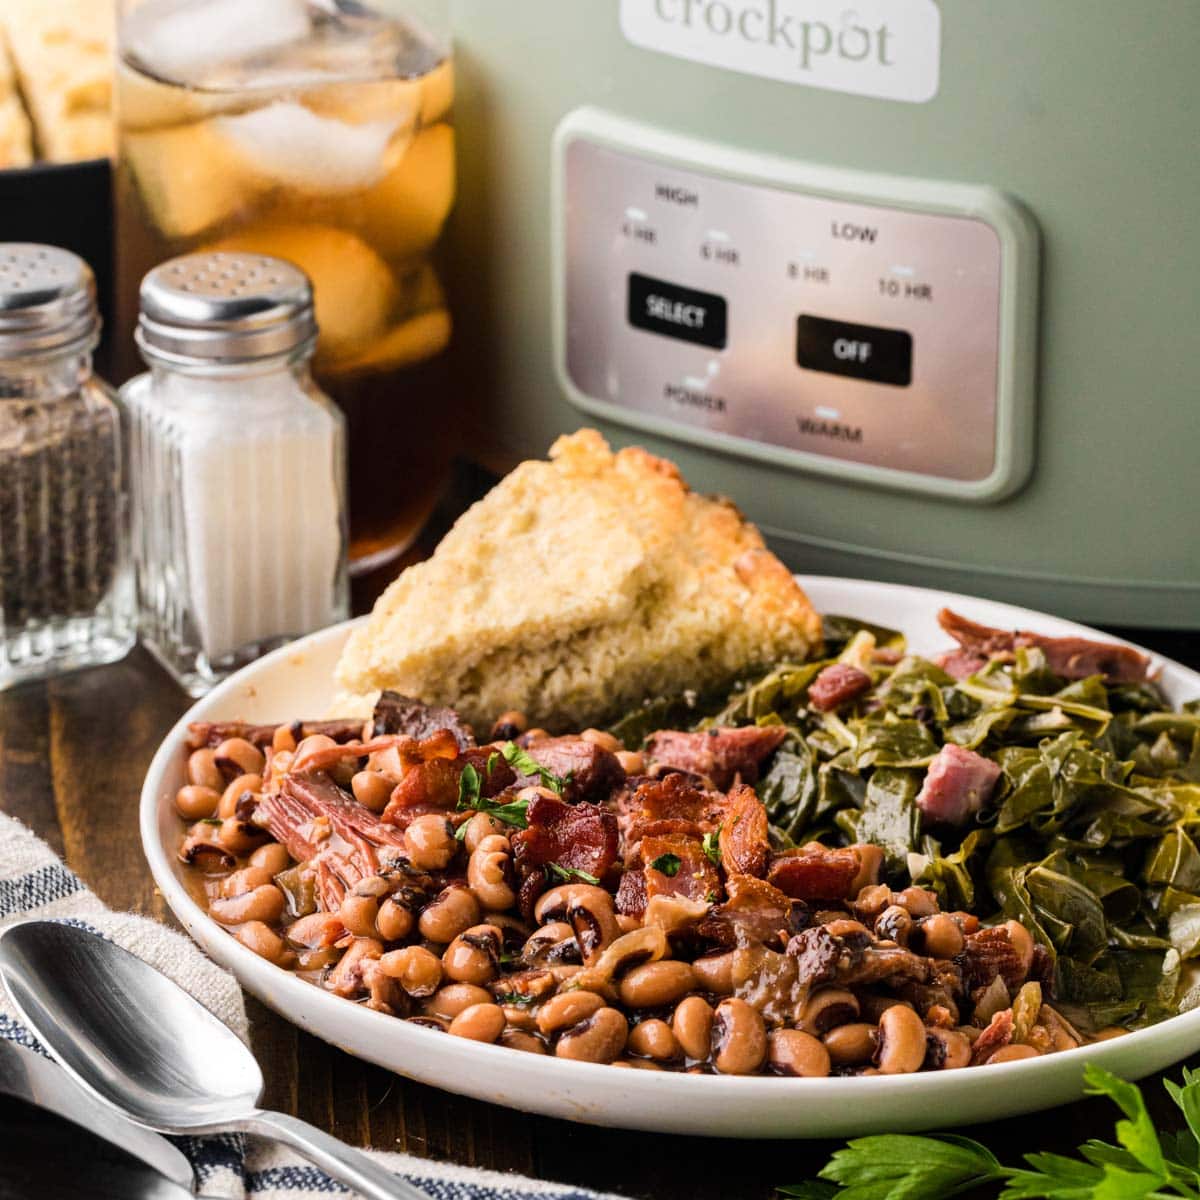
x=942 y=936
x=654 y=1039
x=851 y=1045
x=429 y=841
x=488 y=873
x=655 y=984
x=203 y=771
x=417 y=971
x=456 y=923
x=692 y=1026
x=454 y=998
x=480 y=1022
x=394 y=921
x=739 y=1038
x=263 y=903
x=901 y=1047
x=794 y=1052
x=599 y=1039
x=195 y=802
x=235 y=790
x=238 y=756
x=372 y=789
x=454 y=911
x=474 y=956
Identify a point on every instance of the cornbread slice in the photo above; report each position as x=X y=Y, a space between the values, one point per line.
x=63 y=51
x=575 y=589
x=16 y=139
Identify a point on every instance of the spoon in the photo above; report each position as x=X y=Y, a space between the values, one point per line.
x=143 y=1046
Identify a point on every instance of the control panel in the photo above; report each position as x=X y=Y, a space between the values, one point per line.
x=876 y=328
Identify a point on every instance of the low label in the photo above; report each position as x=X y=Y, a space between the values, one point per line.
x=885 y=48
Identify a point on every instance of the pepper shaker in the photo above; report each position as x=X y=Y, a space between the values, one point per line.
x=66 y=594
x=238 y=473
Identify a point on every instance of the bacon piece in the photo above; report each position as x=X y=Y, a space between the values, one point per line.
x=819 y=952
x=815 y=872
x=721 y=754
x=213 y=733
x=835 y=685
x=672 y=804
x=989 y=953
x=755 y=912
x=696 y=878
x=588 y=772
x=395 y=713
x=958 y=783
x=434 y=784
x=1069 y=657
x=631 y=895
x=744 y=839
x=998 y=1033
x=314 y=819
x=580 y=837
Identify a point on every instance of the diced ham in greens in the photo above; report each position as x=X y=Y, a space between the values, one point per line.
x=958 y=783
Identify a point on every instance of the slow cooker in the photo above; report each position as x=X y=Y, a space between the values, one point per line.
x=914 y=283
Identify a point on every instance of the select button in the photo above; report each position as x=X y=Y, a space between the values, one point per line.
x=859 y=351
x=677 y=312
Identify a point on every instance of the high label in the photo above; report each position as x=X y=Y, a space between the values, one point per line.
x=885 y=48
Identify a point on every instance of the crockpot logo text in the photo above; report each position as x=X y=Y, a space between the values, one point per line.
x=885 y=48
x=769 y=25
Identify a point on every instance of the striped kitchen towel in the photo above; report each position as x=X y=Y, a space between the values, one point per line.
x=35 y=883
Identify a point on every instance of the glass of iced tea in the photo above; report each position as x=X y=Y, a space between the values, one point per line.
x=318 y=131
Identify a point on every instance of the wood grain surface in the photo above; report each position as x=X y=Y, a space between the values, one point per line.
x=73 y=752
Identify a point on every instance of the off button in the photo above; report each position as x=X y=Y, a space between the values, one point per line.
x=859 y=351
x=677 y=312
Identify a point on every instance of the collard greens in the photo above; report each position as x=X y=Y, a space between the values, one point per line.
x=1090 y=839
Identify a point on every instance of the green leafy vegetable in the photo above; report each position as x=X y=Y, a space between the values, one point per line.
x=1144 y=1164
x=711 y=846
x=1090 y=837
x=668 y=864
x=523 y=764
x=571 y=874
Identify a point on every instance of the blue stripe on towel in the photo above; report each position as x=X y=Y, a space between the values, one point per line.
x=37 y=889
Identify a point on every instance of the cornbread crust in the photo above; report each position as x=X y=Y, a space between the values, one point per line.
x=63 y=51
x=16 y=137
x=575 y=589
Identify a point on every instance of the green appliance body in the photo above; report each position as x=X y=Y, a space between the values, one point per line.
x=916 y=284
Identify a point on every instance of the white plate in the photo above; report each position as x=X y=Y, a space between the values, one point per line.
x=296 y=682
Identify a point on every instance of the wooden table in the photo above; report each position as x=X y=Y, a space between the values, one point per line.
x=72 y=756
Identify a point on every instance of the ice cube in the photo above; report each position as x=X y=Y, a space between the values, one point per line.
x=185 y=39
x=354 y=292
x=403 y=214
x=297 y=148
x=189 y=179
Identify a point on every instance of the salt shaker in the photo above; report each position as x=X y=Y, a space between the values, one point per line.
x=66 y=594
x=237 y=464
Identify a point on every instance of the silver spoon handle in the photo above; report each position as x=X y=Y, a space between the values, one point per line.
x=345 y=1164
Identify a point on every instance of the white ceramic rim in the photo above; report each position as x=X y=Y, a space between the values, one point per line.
x=749 y=1106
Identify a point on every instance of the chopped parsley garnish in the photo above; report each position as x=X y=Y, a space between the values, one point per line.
x=711 y=846
x=470 y=796
x=524 y=764
x=569 y=874
x=516 y=999
x=668 y=864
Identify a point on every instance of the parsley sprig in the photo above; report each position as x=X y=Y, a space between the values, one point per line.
x=1143 y=1165
x=524 y=764
x=470 y=796
x=711 y=846
x=571 y=874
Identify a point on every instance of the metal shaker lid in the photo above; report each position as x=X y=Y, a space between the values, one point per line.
x=222 y=308
x=47 y=300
